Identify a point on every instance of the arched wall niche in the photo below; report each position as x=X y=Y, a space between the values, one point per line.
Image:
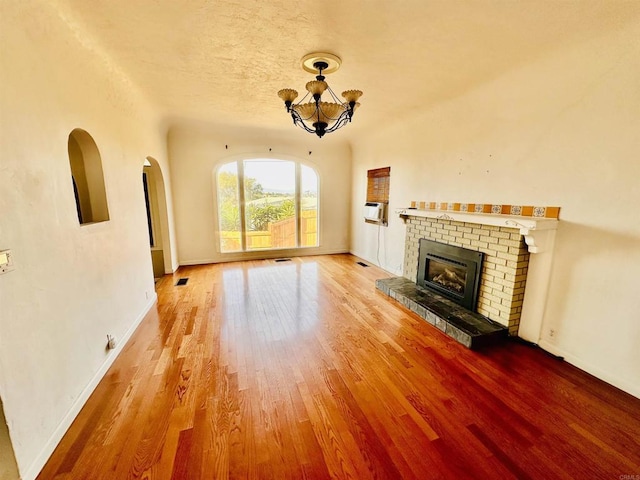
x=87 y=178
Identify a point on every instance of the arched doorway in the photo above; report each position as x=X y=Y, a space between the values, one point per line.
x=157 y=222
x=8 y=467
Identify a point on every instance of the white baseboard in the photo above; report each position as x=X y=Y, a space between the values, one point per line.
x=628 y=387
x=374 y=262
x=262 y=255
x=36 y=466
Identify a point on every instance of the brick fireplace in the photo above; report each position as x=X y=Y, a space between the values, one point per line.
x=518 y=252
x=504 y=273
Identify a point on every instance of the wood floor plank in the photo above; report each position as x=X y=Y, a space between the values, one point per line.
x=181 y=464
x=303 y=370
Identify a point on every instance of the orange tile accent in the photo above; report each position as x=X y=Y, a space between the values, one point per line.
x=471 y=207
x=443 y=205
x=486 y=208
x=413 y=204
x=506 y=210
x=456 y=207
x=552 y=212
x=527 y=211
x=432 y=205
x=422 y=205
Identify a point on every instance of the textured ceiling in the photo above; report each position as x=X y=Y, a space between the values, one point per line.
x=223 y=61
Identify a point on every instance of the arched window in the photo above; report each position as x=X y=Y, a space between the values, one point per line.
x=87 y=178
x=267 y=204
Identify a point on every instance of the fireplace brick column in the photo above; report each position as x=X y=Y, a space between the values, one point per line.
x=504 y=270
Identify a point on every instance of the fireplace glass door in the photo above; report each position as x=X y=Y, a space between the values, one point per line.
x=451 y=271
x=449 y=276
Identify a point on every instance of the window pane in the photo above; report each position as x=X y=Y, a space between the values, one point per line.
x=229 y=208
x=308 y=207
x=269 y=193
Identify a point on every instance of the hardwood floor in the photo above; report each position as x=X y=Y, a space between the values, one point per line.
x=302 y=369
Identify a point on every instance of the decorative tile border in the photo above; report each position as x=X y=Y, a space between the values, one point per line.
x=513 y=210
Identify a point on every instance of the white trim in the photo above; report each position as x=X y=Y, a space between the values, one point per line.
x=36 y=466
x=373 y=262
x=524 y=224
x=628 y=387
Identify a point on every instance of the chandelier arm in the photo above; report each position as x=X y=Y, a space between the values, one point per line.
x=304 y=126
x=341 y=122
x=298 y=120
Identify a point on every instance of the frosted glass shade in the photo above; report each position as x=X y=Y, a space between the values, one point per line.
x=327 y=113
x=306 y=110
x=316 y=87
x=288 y=94
x=351 y=95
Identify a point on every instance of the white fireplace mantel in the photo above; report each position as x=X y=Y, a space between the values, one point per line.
x=539 y=234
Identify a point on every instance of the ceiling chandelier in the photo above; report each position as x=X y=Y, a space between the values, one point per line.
x=317 y=116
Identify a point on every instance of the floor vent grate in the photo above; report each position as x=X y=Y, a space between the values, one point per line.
x=283 y=259
x=362 y=264
x=182 y=281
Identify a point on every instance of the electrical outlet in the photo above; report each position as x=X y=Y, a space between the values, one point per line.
x=147 y=294
x=552 y=332
x=111 y=342
x=6 y=261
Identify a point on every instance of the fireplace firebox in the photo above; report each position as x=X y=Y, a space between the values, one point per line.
x=451 y=271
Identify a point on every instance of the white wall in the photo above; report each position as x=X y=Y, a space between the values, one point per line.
x=564 y=131
x=72 y=284
x=196 y=150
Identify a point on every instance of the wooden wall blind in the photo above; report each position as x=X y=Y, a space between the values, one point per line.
x=378 y=185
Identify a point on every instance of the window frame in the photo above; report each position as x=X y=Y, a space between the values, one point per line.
x=240 y=166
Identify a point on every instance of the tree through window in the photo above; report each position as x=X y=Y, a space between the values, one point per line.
x=267 y=204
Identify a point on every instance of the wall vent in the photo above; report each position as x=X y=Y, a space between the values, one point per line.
x=283 y=259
